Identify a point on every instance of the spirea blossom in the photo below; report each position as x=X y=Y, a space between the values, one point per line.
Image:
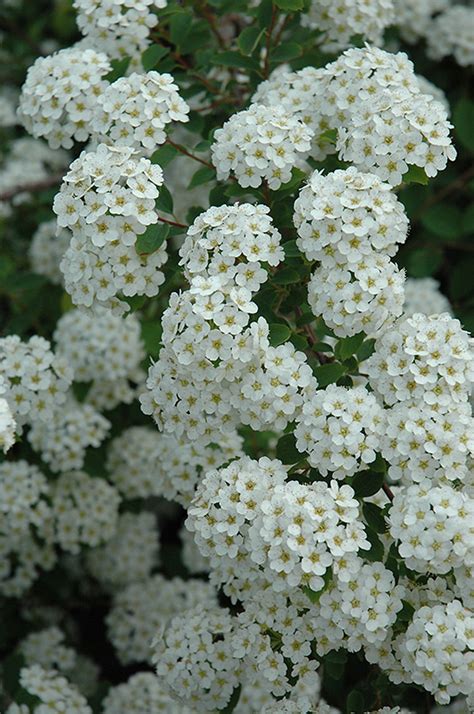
x=340 y=429
x=120 y=28
x=140 y=609
x=47 y=248
x=194 y=658
x=52 y=691
x=142 y=693
x=130 y=555
x=135 y=110
x=415 y=19
x=452 y=33
x=340 y=21
x=348 y=214
x=424 y=295
x=24 y=498
x=34 y=379
x=85 y=510
x=257 y=145
x=59 y=95
x=8 y=425
x=47 y=648
x=107 y=200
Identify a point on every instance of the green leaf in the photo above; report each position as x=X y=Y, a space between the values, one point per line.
x=164 y=155
x=180 y=27
x=151 y=335
x=315 y=595
x=415 y=174
x=328 y=373
x=279 y=333
x=202 y=146
x=292 y=250
x=235 y=59
x=286 y=51
x=286 y=450
x=264 y=13
x=328 y=137
x=375 y=518
x=367 y=483
x=152 y=239
x=406 y=613
x=233 y=701
x=289 y=5
x=164 y=202
x=348 y=346
x=202 y=176
x=355 y=703
x=444 y=220
x=249 y=39
x=376 y=552
x=463 y=120
x=424 y=262
x=297 y=178
x=366 y=349
x=152 y=56
x=119 y=69
x=286 y=276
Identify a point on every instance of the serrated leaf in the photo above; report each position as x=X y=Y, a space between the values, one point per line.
x=164 y=155
x=286 y=450
x=375 y=518
x=233 y=701
x=328 y=373
x=164 y=202
x=286 y=51
x=249 y=39
x=152 y=238
x=415 y=174
x=367 y=483
x=278 y=333
x=152 y=56
x=202 y=176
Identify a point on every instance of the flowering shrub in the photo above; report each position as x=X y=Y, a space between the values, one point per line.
x=236 y=369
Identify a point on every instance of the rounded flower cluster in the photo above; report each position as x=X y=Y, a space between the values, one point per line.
x=384 y=123
x=437 y=650
x=46 y=648
x=140 y=609
x=134 y=110
x=354 y=297
x=423 y=358
x=24 y=495
x=194 y=658
x=247 y=513
x=63 y=441
x=347 y=215
x=107 y=199
x=130 y=555
x=34 y=380
x=132 y=462
x=340 y=429
x=423 y=295
x=85 y=510
x=118 y=27
x=53 y=693
x=100 y=345
x=22 y=557
x=452 y=33
x=433 y=527
x=256 y=145
x=141 y=694
x=59 y=95
x=8 y=425
x=340 y=21
x=424 y=441
x=415 y=19
x=47 y=248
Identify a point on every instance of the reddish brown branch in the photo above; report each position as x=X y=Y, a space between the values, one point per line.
x=31 y=187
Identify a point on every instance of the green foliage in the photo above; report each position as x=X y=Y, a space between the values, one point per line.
x=152 y=238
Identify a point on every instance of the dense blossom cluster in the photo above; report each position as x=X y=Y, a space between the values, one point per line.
x=107 y=200
x=59 y=95
x=118 y=27
x=52 y=692
x=423 y=295
x=134 y=110
x=48 y=649
x=47 y=248
x=452 y=33
x=256 y=145
x=415 y=19
x=34 y=380
x=8 y=425
x=340 y=21
x=141 y=694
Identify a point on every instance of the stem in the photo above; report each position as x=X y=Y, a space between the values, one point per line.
x=173 y=223
x=182 y=150
x=266 y=65
x=211 y=19
x=388 y=491
x=31 y=187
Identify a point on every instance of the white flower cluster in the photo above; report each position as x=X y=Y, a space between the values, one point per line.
x=53 y=692
x=194 y=562
x=107 y=199
x=340 y=21
x=424 y=295
x=433 y=527
x=8 y=424
x=47 y=248
x=47 y=648
x=248 y=514
x=256 y=145
x=34 y=380
x=63 y=441
x=140 y=609
x=415 y=19
x=437 y=649
x=423 y=360
x=132 y=462
x=351 y=222
x=141 y=694
x=130 y=555
x=59 y=95
x=85 y=510
x=120 y=28
x=194 y=658
x=134 y=110
x=340 y=429
x=452 y=33
x=100 y=345
x=214 y=371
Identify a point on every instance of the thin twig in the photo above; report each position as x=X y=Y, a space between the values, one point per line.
x=211 y=19
x=266 y=65
x=31 y=187
x=388 y=491
x=173 y=223
x=184 y=151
